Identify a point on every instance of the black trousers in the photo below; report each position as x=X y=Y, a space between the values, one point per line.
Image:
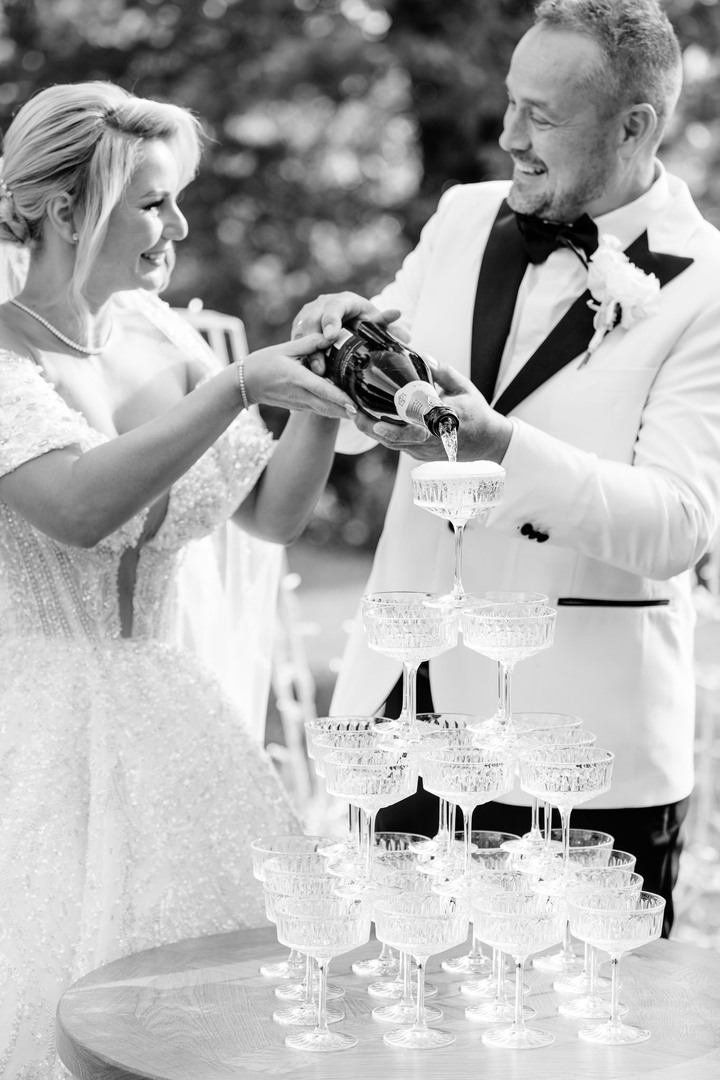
x=653 y=834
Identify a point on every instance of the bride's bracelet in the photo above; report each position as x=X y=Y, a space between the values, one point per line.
x=240 y=365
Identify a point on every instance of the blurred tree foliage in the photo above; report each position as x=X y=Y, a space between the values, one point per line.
x=334 y=126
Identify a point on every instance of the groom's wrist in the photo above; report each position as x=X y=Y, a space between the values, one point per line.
x=485 y=439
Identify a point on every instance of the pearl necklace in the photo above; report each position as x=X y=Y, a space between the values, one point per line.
x=61 y=337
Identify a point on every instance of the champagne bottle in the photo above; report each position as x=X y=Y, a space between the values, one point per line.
x=387 y=379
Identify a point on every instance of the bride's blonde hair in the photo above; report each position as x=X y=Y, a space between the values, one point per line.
x=84 y=141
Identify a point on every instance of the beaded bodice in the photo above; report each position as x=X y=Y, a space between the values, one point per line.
x=52 y=590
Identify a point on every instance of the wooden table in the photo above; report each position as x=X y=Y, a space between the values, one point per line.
x=199 y=1010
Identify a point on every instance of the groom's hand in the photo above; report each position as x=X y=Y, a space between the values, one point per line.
x=484 y=434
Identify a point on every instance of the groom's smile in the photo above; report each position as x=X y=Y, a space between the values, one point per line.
x=556 y=128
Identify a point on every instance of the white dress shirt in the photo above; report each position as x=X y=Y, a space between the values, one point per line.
x=549 y=289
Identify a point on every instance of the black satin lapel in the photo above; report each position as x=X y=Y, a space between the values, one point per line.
x=503 y=265
x=665 y=267
x=571 y=335
x=566 y=339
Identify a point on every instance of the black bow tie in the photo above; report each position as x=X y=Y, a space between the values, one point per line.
x=543 y=237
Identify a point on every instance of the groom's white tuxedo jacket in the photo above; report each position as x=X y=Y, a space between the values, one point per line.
x=612 y=488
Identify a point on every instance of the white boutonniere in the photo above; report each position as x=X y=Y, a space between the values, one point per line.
x=622 y=292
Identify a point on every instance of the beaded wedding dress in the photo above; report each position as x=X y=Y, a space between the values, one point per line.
x=129 y=786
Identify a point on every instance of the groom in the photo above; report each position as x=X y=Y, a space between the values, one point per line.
x=612 y=454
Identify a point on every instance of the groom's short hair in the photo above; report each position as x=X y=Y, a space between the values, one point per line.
x=642 y=60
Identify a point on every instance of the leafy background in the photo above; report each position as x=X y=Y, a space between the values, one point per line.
x=334 y=127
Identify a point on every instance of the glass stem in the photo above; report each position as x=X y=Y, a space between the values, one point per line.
x=467 y=827
x=567 y=950
x=420 y=1024
x=458 y=592
x=308 y=980
x=322 y=1027
x=499 y=963
x=386 y=954
x=354 y=824
x=295 y=961
x=409 y=707
x=519 y=1021
x=565 y=812
x=504 y=696
x=406 y=973
x=369 y=841
x=535 y=833
x=442 y=819
x=593 y=971
x=586 y=962
x=615 y=990
x=476 y=954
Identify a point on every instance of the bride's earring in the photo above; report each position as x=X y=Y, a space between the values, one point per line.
x=74 y=238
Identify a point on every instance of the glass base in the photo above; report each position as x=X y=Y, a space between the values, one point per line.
x=392 y=990
x=320 y=1042
x=377 y=968
x=479 y=988
x=419 y=1038
x=580 y=984
x=455 y=601
x=467 y=965
x=558 y=962
x=305 y=1015
x=282 y=969
x=526 y=845
x=588 y=1007
x=296 y=991
x=405 y=1014
x=613 y=1034
x=522 y=1038
x=496 y=1012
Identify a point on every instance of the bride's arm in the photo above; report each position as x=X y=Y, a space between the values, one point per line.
x=279 y=506
x=80 y=498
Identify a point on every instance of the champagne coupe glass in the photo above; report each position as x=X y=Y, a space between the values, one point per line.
x=507 y=633
x=300 y=876
x=421 y=924
x=619 y=878
x=566 y=777
x=391 y=846
x=519 y=923
x=322 y=927
x=489 y=876
x=264 y=848
x=487 y=851
x=371 y=779
x=468 y=777
x=458 y=491
x=535 y=844
x=526 y=723
x=616 y=924
x=405 y=627
x=587 y=848
x=400 y=875
x=319 y=727
x=433 y=730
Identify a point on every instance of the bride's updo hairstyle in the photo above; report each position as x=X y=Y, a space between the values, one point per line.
x=83 y=141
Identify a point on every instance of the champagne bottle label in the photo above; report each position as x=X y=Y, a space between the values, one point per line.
x=414 y=400
x=343 y=336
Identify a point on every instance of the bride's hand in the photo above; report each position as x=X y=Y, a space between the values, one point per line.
x=277 y=376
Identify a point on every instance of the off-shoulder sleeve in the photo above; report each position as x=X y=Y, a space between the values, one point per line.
x=33 y=418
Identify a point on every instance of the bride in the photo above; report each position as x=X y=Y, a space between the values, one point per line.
x=129 y=785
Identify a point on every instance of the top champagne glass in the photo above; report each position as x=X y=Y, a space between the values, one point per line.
x=458 y=491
